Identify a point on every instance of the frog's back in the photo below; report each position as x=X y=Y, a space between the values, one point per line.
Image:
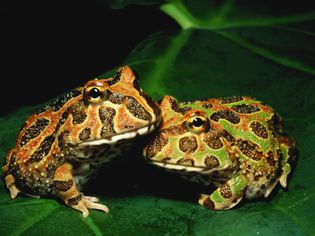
x=33 y=155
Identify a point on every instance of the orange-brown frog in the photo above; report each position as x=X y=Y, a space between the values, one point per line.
x=62 y=145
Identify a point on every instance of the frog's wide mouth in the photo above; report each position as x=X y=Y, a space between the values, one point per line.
x=174 y=166
x=122 y=136
x=187 y=168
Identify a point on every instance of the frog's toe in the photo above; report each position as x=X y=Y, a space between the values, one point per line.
x=91 y=198
x=286 y=169
x=92 y=205
x=14 y=191
x=10 y=182
x=81 y=207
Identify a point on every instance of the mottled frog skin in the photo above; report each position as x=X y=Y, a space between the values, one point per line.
x=235 y=143
x=61 y=146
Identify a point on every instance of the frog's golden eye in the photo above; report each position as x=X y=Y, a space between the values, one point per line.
x=95 y=94
x=197 y=123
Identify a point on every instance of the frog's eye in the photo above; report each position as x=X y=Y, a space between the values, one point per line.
x=95 y=94
x=197 y=123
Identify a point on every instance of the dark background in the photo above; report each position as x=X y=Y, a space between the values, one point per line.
x=49 y=47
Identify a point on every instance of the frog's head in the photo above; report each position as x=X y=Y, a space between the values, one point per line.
x=120 y=106
x=185 y=136
x=112 y=109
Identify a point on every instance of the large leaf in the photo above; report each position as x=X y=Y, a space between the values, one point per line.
x=230 y=51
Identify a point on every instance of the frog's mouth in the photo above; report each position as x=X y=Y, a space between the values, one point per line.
x=174 y=166
x=122 y=136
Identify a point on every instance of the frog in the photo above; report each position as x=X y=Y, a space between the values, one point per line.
x=235 y=146
x=64 y=143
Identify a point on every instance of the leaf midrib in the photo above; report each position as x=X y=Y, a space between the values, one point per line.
x=177 y=10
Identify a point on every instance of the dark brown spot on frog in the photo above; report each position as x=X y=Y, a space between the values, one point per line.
x=59 y=102
x=225 y=191
x=270 y=159
x=212 y=138
x=34 y=130
x=13 y=166
x=184 y=110
x=107 y=117
x=175 y=130
x=250 y=149
x=257 y=177
x=42 y=150
x=166 y=159
x=51 y=168
x=245 y=109
x=188 y=144
x=115 y=80
x=231 y=99
x=85 y=134
x=259 y=129
x=208 y=203
x=75 y=200
x=175 y=107
x=185 y=162
x=207 y=105
x=116 y=98
x=63 y=118
x=287 y=141
x=226 y=115
x=211 y=161
x=156 y=145
x=136 y=109
x=63 y=185
x=275 y=124
x=63 y=138
x=78 y=111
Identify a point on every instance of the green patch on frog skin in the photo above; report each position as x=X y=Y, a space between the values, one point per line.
x=264 y=144
x=216 y=197
x=238 y=184
x=221 y=154
x=285 y=153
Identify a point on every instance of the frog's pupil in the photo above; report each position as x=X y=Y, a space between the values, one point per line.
x=95 y=93
x=197 y=122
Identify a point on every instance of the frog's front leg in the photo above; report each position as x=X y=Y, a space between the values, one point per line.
x=66 y=189
x=226 y=195
x=8 y=177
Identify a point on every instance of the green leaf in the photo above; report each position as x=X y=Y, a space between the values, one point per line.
x=228 y=50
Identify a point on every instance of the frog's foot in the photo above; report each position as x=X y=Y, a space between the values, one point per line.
x=282 y=179
x=84 y=204
x=225 y=196
x=287 y=148
x=66 y=189
x=10 y=183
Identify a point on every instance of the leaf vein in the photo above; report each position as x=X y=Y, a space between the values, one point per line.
x=267 y=54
